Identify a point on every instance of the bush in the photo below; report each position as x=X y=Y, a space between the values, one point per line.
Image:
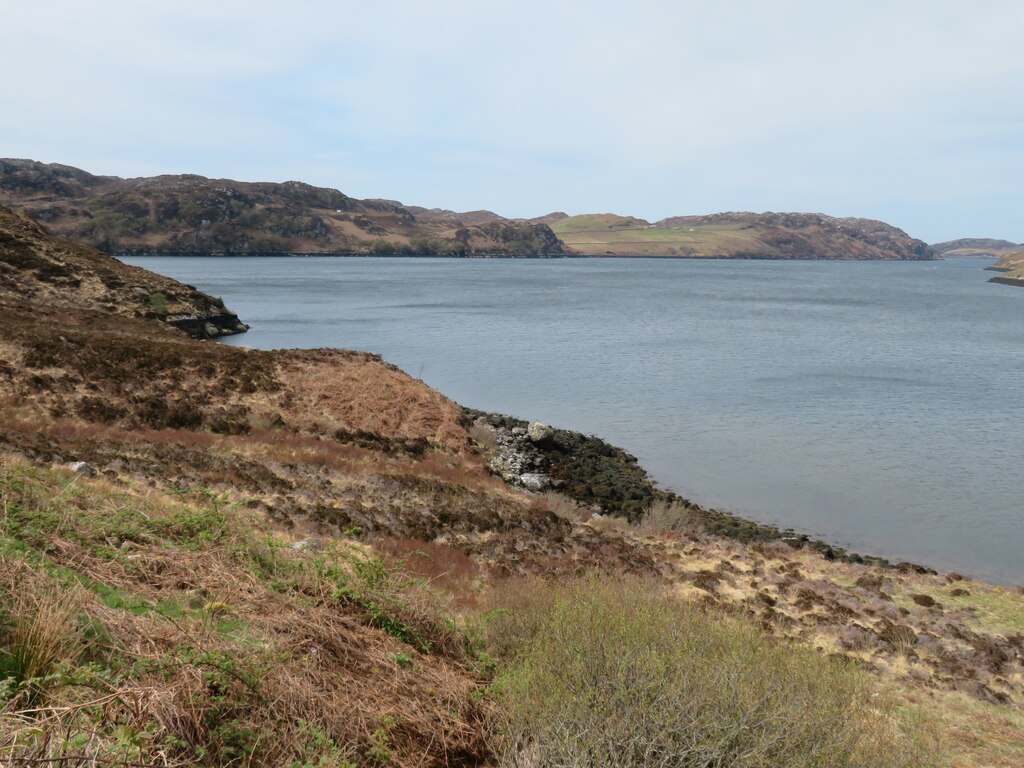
x=618 y=674
x=158 y=303
x=664 y=516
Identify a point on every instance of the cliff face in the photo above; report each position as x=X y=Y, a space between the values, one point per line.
x=41 y=271
x=741 y=236
x=193 y=214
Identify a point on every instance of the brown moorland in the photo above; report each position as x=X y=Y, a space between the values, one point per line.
x=300 y=557
x=190 y=214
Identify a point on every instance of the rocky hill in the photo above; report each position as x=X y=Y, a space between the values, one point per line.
x=49 y=274
x=975 y=248
x=740 y=236
x=192 y=214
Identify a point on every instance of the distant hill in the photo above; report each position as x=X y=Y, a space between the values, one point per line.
x=193 y=214
x=740 y=236
x=453 y=218
x=976 y=248
x=188 y=214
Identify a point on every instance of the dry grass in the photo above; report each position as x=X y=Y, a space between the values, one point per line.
x=216 y=643
x=608 y=524
x=442 y=566
x=665 y=516
x=39 y=630
x=483 y=437
x=360 y=393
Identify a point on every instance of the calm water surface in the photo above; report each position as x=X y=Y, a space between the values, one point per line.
x=877 y=405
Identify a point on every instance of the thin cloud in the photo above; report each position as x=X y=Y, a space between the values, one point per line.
x=909 y=111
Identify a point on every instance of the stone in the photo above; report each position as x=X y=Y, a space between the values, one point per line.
x=211 y=330
x=534 y=481
x=82 y=468
x=538 y=432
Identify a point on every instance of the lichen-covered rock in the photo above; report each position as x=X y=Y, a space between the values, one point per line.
x=538 y=432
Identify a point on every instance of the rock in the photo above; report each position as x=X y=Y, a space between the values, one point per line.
x=925 y=601
x=308 y=545
x=534 y=481
x=538 y=432
x=518 y=431
x=905 y=567
x=82 y=468
x=211 y=330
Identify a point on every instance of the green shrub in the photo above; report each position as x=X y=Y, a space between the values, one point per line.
x=618 y=674
x=158 y=303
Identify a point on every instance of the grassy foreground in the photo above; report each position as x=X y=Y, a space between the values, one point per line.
x=145 y=628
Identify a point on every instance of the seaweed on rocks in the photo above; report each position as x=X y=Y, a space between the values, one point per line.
x=611 y=481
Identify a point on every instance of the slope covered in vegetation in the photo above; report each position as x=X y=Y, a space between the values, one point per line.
x=1011 y=265
x=214 y=555
x=740 y=236
x=191 y=214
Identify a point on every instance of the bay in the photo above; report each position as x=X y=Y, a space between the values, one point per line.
x=877 y=405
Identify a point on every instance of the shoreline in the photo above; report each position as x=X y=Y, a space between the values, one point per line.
x=489 y=256
x=613 y=483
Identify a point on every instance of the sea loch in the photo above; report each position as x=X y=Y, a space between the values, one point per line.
x=874 y=404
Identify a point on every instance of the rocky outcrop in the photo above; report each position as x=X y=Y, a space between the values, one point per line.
x=611 y=482
x=189 y=214
x=1011 y=267
x=37 y=269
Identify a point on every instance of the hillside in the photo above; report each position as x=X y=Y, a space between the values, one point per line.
x=222 y=556
x=975 y=248
x=52 y=274
x=739 y=236
x=1011 y=265
x=192 y=214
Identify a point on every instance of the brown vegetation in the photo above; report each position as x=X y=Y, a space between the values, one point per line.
x=300 y=557
x=194 y=215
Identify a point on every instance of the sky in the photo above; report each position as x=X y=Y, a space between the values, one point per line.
x=906 y=111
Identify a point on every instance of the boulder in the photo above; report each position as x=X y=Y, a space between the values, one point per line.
x=534 y=481
x=83 y=468
x=538 y=432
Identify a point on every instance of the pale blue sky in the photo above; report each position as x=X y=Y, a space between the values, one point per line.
x=912 y=112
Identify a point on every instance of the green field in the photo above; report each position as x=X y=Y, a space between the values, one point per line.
x=611 y=235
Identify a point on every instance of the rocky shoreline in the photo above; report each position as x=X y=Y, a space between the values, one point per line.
x=207 y=326
x=611 y=482
x=1003 y=280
